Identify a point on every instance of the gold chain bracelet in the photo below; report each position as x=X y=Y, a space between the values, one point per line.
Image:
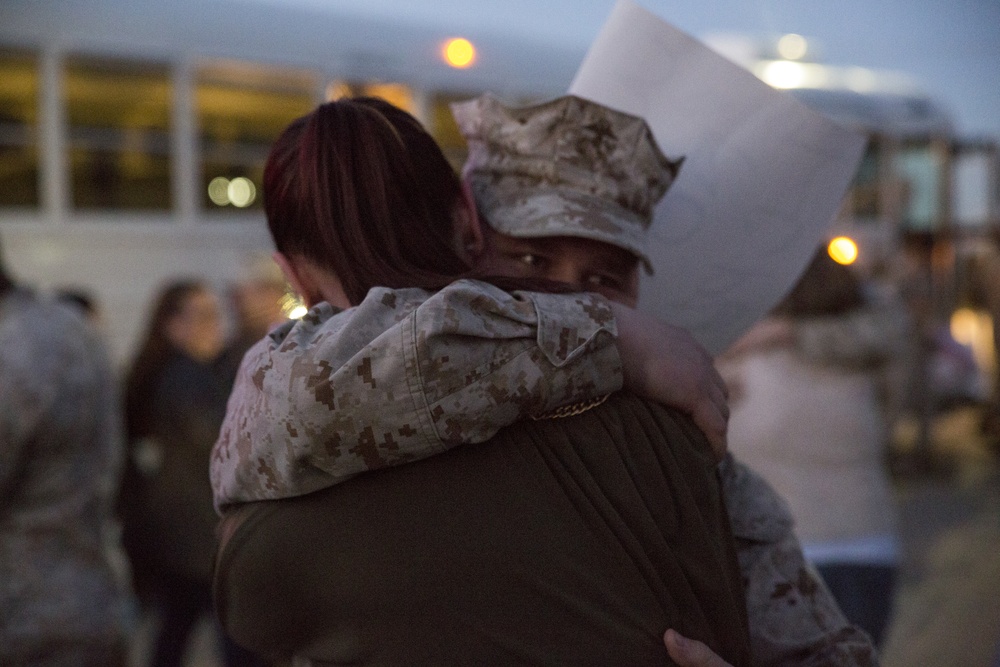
x=572 y=409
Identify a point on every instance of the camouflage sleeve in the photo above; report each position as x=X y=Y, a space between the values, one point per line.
x=794 y=619
x=864 y=338
x=404 y=375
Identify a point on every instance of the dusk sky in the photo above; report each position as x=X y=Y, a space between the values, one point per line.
x=950 y=47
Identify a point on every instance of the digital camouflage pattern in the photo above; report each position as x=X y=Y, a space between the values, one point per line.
x=878 y=333
x=404 y=375
x=568 y=167
x=60 y=450
x=794 y=619
x=276 y=445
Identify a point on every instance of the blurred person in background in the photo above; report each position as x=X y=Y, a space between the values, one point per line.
x=985 y=277
x=257 y=299
x=81 y=299
x=175 y=399
x=808 y=413
x=61 y=603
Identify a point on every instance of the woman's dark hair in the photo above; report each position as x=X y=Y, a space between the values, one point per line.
x=825 y=288
x=155 y=349
x=361 y=189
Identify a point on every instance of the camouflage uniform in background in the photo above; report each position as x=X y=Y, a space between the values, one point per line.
x=404 y=375
x=60 y=449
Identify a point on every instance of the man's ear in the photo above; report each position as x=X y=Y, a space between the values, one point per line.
x=298 y=278
x=468 y=226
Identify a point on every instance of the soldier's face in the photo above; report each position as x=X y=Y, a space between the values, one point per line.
x=586 y=265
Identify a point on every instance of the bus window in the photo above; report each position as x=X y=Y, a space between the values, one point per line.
x=398 y=94
x=433 y=110
x=241 y=109
x=920 y=167
x=18 y=129
x=442 y=125
x=119 y=122
x=975 y=179
x=865 y=194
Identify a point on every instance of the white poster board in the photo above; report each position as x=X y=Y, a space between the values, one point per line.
x=763 y=175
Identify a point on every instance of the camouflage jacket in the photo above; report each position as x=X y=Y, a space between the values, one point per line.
x=402 y=376
x=60 y=449
x=399 y=378
x=869 y=337
x=794 y=619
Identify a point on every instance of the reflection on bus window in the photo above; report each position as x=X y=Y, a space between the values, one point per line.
x=241 y=110
x=18 y=129
x=119 y=123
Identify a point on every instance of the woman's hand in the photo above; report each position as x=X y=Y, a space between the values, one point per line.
x=666 y=364
x=690 y=653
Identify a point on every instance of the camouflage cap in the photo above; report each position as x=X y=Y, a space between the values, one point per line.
x=568 y=167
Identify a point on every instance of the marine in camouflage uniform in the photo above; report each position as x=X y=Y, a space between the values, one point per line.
x=568 y=168
x=60 y=447
x=586 y=164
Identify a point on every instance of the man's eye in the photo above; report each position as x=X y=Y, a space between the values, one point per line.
x=602 y=280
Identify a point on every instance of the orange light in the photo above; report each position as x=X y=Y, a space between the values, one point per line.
x=843 y=250
x=459 y=52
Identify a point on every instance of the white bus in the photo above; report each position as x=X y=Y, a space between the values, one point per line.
x=917 y=177
x=133 y=132
x=924 y=206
